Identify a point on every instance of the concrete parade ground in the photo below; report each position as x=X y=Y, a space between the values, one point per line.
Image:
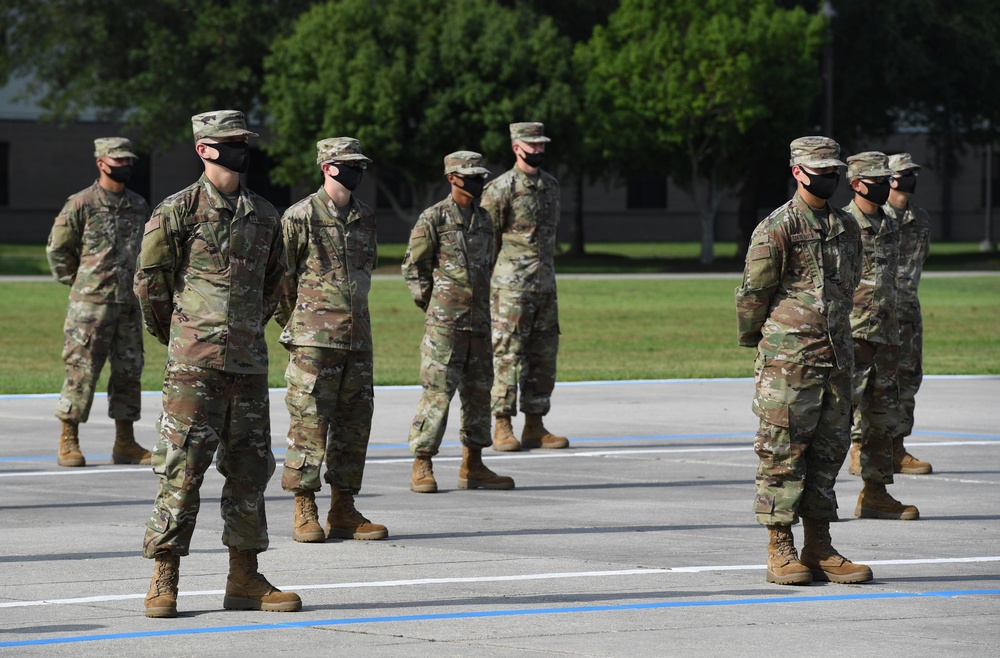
x=636 y=541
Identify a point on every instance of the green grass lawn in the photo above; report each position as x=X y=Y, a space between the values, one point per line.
x=600 y=257
x=611 y=329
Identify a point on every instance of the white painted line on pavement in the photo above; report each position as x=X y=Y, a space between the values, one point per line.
x=490 y=579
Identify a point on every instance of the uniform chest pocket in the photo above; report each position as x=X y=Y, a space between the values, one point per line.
x=361 y=247
x=808 y=254
x=99 y=232
x=251 y=241
x=208 y=242
x=452 y=241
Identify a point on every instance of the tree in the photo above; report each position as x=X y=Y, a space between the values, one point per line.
x=936 y=65
x=414 y=80
x=683 y=85
x=149 y=65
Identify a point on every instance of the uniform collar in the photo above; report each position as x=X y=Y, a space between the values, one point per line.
x=819 y=219
x=244 y=205
x=353 y=213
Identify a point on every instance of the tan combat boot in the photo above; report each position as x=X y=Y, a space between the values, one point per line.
x=503 y=436
x=422 y=479
x=783 y=566
x=473 y=474
x=904 y=462
x=126 y=450
x=874 y=502
x=854 y=459
x=305 y=524
x=248 y=589
x=345 y=522
x=534 y=435
x=161 y=600
x=823 y=560
x=69 y=445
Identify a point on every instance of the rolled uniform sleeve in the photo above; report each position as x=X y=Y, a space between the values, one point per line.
x=761 y=277
x=65 y=243
x=274 y=275
x=154 y=275
x=418 y=263
x=292 y=235
x=495 y=205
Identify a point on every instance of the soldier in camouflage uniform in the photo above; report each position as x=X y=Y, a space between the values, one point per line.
x=330 y=246
x=92 y=248
x=794 y=306
x=208 y=279
x=447 y=268
x=524 y=204
x=876 y=337
x=914 y=245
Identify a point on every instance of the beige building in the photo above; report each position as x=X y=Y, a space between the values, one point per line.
x=41 y=164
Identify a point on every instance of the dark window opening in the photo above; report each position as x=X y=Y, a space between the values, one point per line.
x=259 y=180
x=646 y=190
x=397 y=185
x=4 y=171
x=994 y=182
x=140 y=180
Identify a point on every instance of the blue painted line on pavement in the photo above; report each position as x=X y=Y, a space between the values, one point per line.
x=502 y=613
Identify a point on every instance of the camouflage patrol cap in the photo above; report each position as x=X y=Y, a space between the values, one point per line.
x=340 y=149
x=869 y=164
x=113 y=147
x=815 y=151
x=528 y=131
x=902 y=162
x=220 y=123
x=466 y=163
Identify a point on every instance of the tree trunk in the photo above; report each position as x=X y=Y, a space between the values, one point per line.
x=749 y=204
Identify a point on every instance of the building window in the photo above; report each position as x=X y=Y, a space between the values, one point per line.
x=139 y=181
x=994 y=182
x=4 y=170
x=398 y=187
x=646 y=190
x=259 y=180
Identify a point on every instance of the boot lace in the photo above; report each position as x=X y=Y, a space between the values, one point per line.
x=166 y=575
x=307 y=508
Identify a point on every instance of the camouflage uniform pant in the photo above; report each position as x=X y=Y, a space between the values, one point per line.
x=331 y=401
x=803 y=438
x=452 y=360
x=876 y=407
x=525 y=344
x=205 y=411
x=95 y=333
x=911 y=372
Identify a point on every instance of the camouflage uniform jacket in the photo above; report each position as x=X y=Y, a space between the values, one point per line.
x=324 y=299
x=914 y=245
x=525 y=215
x=208 y=278
x=447 y=266
x=795 y=300
x=874 y=314
x=94 y=243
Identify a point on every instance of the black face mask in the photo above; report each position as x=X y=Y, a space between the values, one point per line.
x=348 y=176
x=473 y=185
x=533 y=159
x=234 y=156
x=906 y=184
x=822 y=186
x=120 y=174
x=878 y=193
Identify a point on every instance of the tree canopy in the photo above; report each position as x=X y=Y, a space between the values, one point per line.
x=148 y=65
x=414 y=80
x=683 y=84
